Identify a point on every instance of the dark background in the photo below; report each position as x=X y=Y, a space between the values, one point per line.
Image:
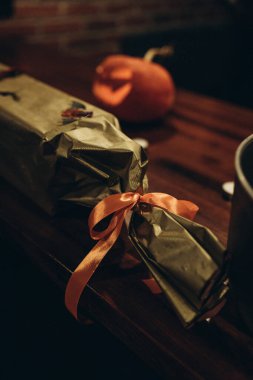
x=39 y=338
x=212 y=39
x=215 y=61
x=213 y=55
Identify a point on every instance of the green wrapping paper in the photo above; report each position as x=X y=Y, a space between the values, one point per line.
x=185 y=258
x=53 y=158
x=57 y=149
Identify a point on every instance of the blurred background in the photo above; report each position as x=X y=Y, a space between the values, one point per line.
x=212 y=39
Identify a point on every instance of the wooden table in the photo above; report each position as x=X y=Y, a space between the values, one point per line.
x=191 y=154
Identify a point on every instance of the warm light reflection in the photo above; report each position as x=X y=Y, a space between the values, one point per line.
x=114 y=86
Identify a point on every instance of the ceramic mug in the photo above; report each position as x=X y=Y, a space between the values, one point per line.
x=240 y=239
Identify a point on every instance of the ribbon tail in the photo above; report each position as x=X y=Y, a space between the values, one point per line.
x=188 y=209
x=87 y=267
x=183 y=208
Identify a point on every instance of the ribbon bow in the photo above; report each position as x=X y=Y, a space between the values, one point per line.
x=117 y=205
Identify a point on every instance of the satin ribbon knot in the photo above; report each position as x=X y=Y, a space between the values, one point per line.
x=117 y=206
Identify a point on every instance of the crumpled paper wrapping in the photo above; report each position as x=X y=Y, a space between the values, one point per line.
x=52 y=159
x=185 y=258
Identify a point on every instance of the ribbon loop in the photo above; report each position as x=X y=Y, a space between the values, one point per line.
x=116 y=205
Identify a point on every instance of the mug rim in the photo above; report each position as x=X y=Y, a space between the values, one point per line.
x=239 y=152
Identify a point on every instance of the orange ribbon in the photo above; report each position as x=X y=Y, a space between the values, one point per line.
x=117 y=205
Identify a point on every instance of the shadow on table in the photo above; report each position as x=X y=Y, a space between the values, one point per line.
x=40 y=339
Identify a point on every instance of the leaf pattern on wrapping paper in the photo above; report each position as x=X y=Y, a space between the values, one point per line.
x=9 y=93
x=9 y=73
x=73 y=113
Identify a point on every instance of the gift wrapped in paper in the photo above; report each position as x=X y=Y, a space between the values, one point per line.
x=185 y=258
x=55 y=147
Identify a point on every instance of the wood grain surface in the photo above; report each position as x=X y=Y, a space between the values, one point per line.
x=191 y=154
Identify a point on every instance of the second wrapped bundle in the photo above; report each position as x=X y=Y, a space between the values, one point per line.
x=185 y=258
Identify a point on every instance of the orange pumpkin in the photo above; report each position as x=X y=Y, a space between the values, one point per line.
x=133 y=89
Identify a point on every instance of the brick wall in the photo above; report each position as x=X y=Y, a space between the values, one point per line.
x=99 y=25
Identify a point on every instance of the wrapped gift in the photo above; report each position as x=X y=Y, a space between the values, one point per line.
x=56 y=148
x=185 y=258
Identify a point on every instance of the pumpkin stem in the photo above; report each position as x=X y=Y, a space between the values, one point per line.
x=166 y=50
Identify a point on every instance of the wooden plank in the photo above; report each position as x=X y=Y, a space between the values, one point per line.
x=191 y=154
x=240 y=118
